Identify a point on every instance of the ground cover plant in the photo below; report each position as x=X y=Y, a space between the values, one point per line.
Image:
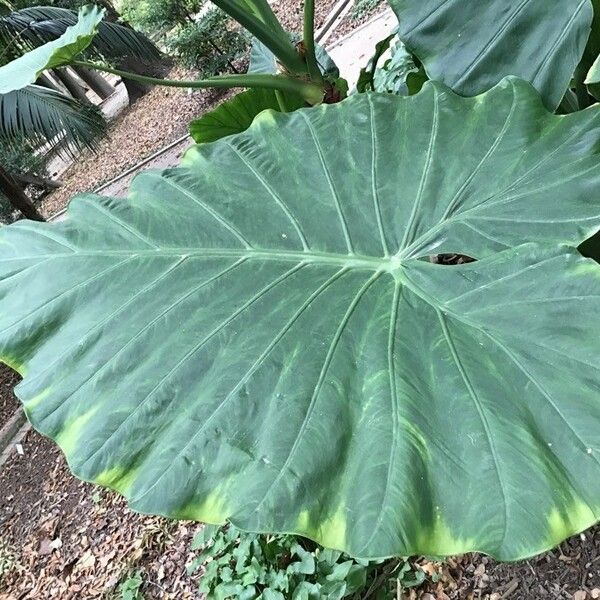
x=364 y=321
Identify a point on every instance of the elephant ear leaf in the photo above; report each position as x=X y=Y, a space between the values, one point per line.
x=26 y=69
x=236 y=114
x=472 y=45
x=261 y=336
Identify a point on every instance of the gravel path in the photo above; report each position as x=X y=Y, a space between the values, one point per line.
x=155 y=120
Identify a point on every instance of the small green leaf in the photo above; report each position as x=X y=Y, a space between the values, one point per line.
x=356 y=578
x=593 y=75
x=306 y=591
x=340 y=571
x=26 y=69
x=236 y=114
x=306 y=565
x=333 y=590
x=366 y=77
x=205 y=535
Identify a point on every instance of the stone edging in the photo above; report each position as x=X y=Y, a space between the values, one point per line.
x=9 y=432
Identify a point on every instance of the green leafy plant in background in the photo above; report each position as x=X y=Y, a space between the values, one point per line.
x=275 y=567
x=21 y=158
x=48 y=119
x=362 y=8
x=208 y=44
x=159 y=16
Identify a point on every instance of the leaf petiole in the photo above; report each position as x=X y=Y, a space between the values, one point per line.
x=311 y=92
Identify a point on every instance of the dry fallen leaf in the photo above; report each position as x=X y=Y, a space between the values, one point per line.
x=580 y=595
x=87 y=561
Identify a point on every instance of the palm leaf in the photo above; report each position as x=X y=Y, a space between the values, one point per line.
x=44 y=115
x=32 y=27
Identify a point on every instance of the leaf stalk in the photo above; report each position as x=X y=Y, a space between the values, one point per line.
x=311 y=92
x=309 y=41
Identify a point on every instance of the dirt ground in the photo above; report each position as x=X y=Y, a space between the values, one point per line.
x=62 y=538
x=8 y=402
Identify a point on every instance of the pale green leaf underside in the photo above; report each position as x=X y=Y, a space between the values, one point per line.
x=593 y=75
x=471 y=45
x=26 y=69
x=253 y=336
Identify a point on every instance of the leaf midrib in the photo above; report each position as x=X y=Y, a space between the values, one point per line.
x=361 y=261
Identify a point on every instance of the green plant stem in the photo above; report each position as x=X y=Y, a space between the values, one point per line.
x=311 y=92
x=382 y=579
x=281 y=101
x=309 y=41
x=276 y=40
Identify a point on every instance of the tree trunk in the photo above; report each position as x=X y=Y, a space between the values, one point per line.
x=43 y=182
x=17 y=197
x=73 y=86
x=156 y=68
x=47 y=82
x=96 y=82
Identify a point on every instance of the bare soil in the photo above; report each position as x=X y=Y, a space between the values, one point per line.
x=8 y=402
x=290 y=13
x=352 y=22
x=66 y=539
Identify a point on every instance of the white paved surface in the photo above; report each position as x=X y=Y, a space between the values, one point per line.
x=353 y=51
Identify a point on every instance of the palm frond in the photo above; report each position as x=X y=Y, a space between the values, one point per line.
x=46 y=116
x=31 y=27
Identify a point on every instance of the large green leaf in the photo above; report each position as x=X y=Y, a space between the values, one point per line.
x=259 y=336
x=26 y=69
x=471 y=45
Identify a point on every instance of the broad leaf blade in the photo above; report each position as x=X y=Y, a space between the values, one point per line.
x=258 y=336
x=236 y=114
x=472 y=45
x=26 y=69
